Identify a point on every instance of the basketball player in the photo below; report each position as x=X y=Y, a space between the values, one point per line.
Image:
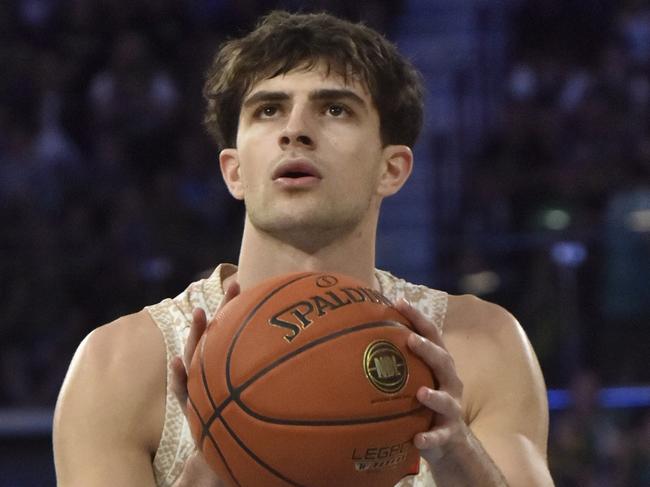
x=316 y=117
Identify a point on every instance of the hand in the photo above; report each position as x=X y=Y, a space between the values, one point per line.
x=196 y=471
x=449 y=427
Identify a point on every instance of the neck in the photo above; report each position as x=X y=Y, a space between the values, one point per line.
x=263 y=255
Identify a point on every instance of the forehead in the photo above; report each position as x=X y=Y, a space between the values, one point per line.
x=308 y=78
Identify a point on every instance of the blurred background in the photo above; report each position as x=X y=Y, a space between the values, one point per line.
x=531 y=189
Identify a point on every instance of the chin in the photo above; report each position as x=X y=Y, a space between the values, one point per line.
x=307 y=230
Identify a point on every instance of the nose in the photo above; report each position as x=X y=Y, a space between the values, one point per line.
x=298 y=131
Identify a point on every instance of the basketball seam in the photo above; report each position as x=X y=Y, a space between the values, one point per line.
x=252 y=454
x=236 y=393
x=206 y=426
x=248 y=319
x=206 y=433
x=218 y=409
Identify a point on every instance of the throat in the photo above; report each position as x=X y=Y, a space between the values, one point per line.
x=265 y=254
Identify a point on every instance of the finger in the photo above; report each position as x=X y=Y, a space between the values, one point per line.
x=197 y=327
x=179 y=382
x=200 y=323
x=432 y=440
x=232 y=291
x=441 y=402
x=440 y=361
x=422 y=325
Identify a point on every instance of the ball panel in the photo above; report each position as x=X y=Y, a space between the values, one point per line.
x=215 y=447
x=298 y=318
x=359 y=455
x=198 y=400
x=247 y=311
x=237 y=463
x=329 y=382
x=210 y=360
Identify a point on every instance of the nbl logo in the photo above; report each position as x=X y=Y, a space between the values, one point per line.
x=326 y=281
x=385 y=366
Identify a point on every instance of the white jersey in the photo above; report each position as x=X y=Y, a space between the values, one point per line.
x=173 y=318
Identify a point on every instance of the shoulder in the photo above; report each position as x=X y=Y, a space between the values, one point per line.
x=485 y=330
x=493 y=355
x=132 y=343
x=131 y=334
x=116 y=381
x=475 y=320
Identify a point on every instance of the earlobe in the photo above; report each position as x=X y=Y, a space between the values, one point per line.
x=396 y=169
x=229 y=164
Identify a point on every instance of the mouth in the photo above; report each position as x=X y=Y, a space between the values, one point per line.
x=296 y=170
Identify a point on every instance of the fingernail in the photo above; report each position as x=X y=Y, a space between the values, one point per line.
x=419 y=442
x=423 y=394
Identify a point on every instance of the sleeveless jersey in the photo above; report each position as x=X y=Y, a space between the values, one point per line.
x=173 y=318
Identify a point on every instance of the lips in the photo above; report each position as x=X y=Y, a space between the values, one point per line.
x=296 y=170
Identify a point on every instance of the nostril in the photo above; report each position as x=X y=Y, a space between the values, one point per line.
x=303 y=139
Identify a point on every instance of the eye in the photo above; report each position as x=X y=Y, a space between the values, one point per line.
x=337 y=110
x=266 y=111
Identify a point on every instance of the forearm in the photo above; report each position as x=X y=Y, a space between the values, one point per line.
x=466 y=463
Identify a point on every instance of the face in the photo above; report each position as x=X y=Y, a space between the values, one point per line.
x=309 y=162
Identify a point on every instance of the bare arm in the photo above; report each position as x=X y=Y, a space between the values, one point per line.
x=109 y=415
x=111 y=409
x=510 y=408
x=492 y=425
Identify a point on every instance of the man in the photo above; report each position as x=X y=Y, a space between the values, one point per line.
x=316 y=117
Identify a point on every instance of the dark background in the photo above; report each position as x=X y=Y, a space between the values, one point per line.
x=531 y=189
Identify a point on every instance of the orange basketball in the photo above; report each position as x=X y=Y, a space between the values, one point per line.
x=307 y=380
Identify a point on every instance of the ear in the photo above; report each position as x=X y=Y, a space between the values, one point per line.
x=229 y=163
x=397 y=164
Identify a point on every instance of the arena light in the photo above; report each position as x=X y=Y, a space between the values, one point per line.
x=480 y=283
x=556 y=219
x=638 y=221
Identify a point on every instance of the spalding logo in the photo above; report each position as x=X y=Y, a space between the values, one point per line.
x=385 y=366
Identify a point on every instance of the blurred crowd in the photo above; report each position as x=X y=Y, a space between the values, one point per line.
x=110 y=196
x=558 y=212
x=590 y=446
x=110 y=192
x=558 y=195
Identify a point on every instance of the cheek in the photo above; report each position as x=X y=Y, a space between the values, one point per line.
x=367 y=163
x=251 y=160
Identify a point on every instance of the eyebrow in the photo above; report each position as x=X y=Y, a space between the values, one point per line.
x=337 y=94
x=261 y=96
x=322 y=94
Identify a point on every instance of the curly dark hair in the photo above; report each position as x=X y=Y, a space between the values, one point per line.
x=283 y=41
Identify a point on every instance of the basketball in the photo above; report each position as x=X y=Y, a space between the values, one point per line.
x=307 y=380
